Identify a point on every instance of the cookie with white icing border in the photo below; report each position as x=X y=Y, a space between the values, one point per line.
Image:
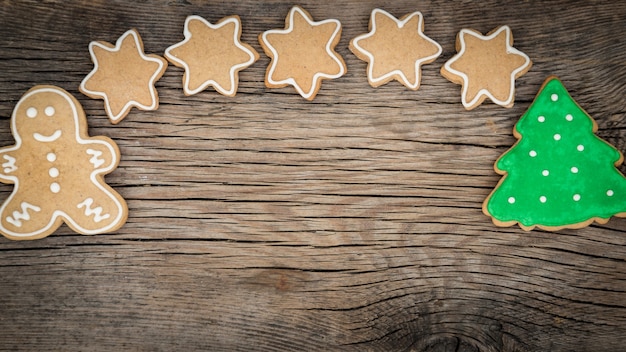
x=57 y=170
x=559 y=174
x=212 y=55
x=303 y=54
x=395 y=49
x=486 y=66
x=123 y=76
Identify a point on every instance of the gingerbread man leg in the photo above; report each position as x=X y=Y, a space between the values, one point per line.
x=27 y=218
x=97 y=209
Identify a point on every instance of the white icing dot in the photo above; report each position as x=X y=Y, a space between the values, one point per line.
x=53 y=172
x=55 y=187
x=511 y=200
x=51 y=157
x=554 y=97
x=576 y=197
x=532 y=153
x=557 y=137
x=580 y=147
x=31 y=112
x=49 y=111
x=545 y=172
x=543 y=199
x=610 y=193
x=574 y=170
x=541 y=119
x=569 y=117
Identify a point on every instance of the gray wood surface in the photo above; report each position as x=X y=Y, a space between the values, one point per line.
x=265 y=222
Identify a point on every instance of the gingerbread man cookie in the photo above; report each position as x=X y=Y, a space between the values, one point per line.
x=395 y=49
x=57 y=170
x=123 y=76
x=212 y=55
x=303 y=54
x=486 y=67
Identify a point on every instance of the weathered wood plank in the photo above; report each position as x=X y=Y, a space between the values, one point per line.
x=353 y=222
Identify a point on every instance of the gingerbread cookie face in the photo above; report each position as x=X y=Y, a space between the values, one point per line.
x=57 y=170
x=123 y=76
x=303 y=54
x=395 y=49
x=559 y=174
x=486 y=67
x=212 y=55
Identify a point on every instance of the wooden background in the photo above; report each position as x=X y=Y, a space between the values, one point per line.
x=265 y=222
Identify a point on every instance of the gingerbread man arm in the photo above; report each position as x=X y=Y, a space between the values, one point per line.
x=102 y=153
x=8 y=164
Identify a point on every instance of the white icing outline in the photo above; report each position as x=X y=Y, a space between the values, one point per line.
x=118 y=46
x=59 y=213
x=317 y=76
x=400 y=24
x=233 y=70
x=47 y=139
x=483 y=91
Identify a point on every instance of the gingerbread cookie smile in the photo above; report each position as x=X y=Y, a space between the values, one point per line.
x=57 y=170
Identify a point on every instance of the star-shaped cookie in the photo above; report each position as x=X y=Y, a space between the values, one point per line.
x=395 y=49
x=303 y=54
x=486 y=66
x=212 y=55
x=123 y=76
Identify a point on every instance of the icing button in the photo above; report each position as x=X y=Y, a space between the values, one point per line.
x=53 y=172
x=51 y=157
x=55 y=187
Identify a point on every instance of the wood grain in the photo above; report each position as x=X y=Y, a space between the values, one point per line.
x=265 y=222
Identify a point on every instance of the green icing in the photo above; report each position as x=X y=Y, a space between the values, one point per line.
x=559 y=173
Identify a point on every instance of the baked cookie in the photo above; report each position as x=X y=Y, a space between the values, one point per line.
x=395 y=49
x=559 y=174
x=212 y=55
x=303 y=54
x=486 y=67
x=57 y=170
x=123 y=76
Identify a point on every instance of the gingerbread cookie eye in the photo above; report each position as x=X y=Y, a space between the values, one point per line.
x=49 y=111
x=57 y=170
x=31 y=112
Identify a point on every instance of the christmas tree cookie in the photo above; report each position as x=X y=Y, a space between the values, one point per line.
x=559 y=174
